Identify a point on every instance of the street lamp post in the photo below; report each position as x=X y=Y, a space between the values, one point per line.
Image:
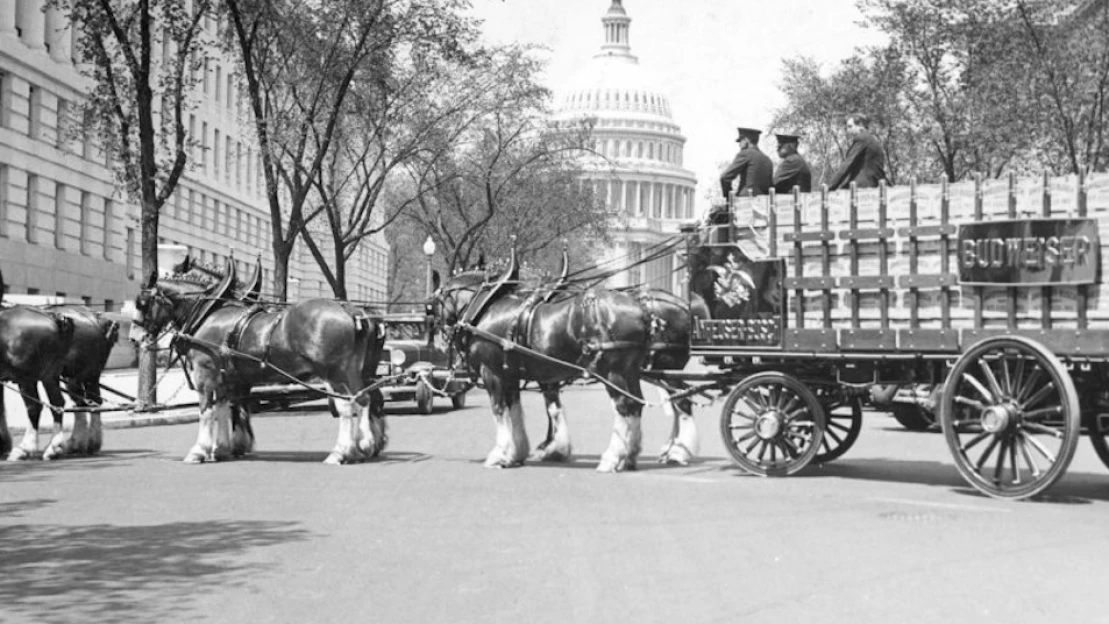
x=429 y=251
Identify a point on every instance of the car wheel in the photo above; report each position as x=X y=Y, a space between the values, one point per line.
x=458 y=401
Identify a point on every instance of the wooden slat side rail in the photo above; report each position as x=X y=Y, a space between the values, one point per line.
x=853 y=246
x=912 y=234
x=886 y=283
x=798 y=264
x=1083 y=290
x=826 y=256
x=824 y=236
x=1045 y=292
x=1012 y=290
x=945 y=262
x=979 y=291
x=810 y=340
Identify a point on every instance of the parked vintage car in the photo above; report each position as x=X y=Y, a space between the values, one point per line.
x=426 y=367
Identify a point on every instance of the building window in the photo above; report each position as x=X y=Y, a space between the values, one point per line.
x=85 y=210
x=34 y=112
x=207 y=81
x=228 y=157
x=109 y=209
x=32 y=207
x=192 y=138
x=4 y=201
x=109 y=305
x=192 y=208
x=5 y=100
x=59 y=216
x=62 y=125
x=219 y=83
x=238 y=164
x=204 y=147
x=215 y=156
x=130 y=251
x=88 y=137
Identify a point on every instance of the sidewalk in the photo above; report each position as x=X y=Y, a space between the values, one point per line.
x=173 y=389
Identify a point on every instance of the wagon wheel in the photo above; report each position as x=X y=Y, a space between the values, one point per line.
x=424 y=397
x=913 y=417
x=1098 y=430
x=772 y=424
x=1011 y=417
x=843 y=420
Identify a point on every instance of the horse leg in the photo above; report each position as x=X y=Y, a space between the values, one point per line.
x=79 y=432
x=93 y=398
x=5 y=433
x=372 y=423
x=512 y=440
x=627 y=434
x=29 y=445
x=60 y=443
x=684 y=443
x=346 y=446
x=557 y=446
x=222 y=412
x=242 y=433
x=204 y=448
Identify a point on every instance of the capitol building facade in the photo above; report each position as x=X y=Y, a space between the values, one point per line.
x=637 y=166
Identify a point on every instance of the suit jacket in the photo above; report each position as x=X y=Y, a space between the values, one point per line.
x=754 y=171
x=865 y=164
x=792 y=171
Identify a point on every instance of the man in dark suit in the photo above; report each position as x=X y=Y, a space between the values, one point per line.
x=865 y=164
x=793 y=170
x=751 y=167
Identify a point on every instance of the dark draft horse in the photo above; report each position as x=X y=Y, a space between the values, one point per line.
x=54 y=344
x=230 y=345
x=615 y=335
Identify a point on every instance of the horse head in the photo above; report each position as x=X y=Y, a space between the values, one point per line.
x=180 y=301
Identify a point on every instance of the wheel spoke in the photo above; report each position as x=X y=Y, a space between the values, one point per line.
x=1040 y=395
x=986 y=454
x=1044 y=429
x=1032 y=465
x=999 y=467
x=751 y=446
x=1013 y=461
x=974 y=441
x=977 y=385
x=828 y=433
x=1036 y=444
x=1032 y=381
x=743 y=438
x=991 y=379
x=754 y=409
x=788 y=448
x=1039 y=414
x=792 y=404
x=970 y=402
x=1005 y=378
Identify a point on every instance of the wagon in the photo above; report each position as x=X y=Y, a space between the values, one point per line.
x=992 y=291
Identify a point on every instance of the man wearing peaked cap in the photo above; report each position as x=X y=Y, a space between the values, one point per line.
x=751 y=167
x=793 y=170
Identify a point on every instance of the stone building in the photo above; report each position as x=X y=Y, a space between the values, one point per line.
x=638 y=169
x=66 y=230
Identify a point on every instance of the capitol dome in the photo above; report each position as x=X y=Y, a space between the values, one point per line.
x=638 y=145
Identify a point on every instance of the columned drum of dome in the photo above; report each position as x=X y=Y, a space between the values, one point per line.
x=638 y=168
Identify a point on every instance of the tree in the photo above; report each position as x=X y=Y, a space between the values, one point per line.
x=871 y=81
x=300 y=60
x=140 y=57
x=428 y=97
x=1066 y=52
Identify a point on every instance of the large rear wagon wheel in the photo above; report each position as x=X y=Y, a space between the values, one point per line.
x=843 y=420
x=772 y=424
x=1010 y=416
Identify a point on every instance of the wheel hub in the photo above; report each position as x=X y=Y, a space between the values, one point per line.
x=769 y=425
x=998 y=418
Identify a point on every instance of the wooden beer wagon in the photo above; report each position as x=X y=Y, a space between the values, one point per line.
x=993 y=289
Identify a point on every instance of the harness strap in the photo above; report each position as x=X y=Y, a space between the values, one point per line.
x=236 y=334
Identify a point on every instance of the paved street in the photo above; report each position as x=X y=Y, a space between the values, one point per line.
x=426 y=534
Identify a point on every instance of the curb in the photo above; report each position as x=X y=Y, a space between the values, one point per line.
x=177 y=418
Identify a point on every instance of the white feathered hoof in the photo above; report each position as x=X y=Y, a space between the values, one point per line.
x=612 y=463
x=339 y=457
x=196 y=455
x=676 y=454
x=242 y=443
x=552 y=453
x=497 y=458
x=20 y=454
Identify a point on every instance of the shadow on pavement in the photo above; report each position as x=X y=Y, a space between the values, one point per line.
x=155 y=573
x=37 y=469
x=1072 y=489
x=18 y=508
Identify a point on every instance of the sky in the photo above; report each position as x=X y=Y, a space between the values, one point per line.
x=719 y=61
